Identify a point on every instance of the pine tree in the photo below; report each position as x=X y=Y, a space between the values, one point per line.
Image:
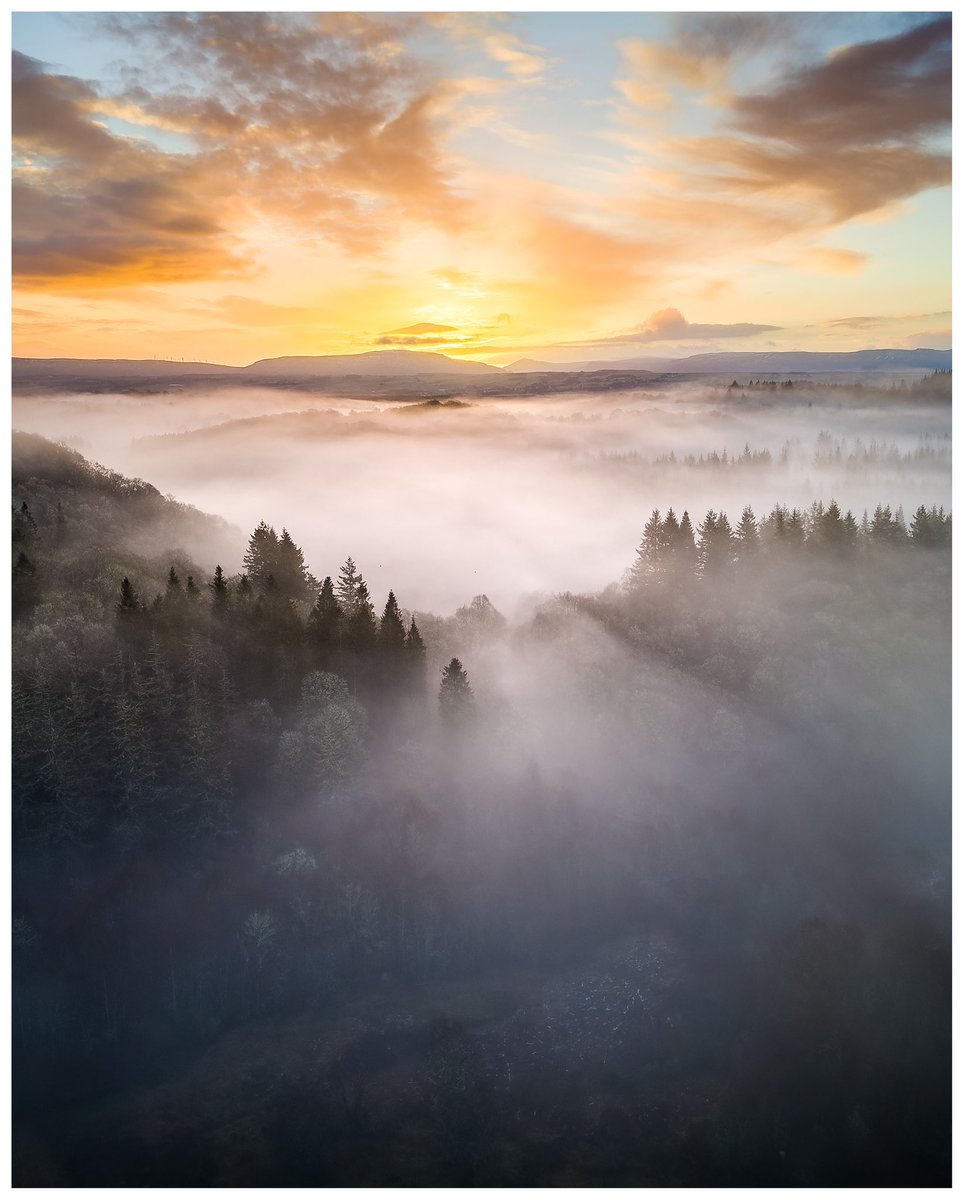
x=796 y=530
x=347 y=590
x=289 y=568
x=716 y=543
x=650 y=553
x=219 y=593
x=324 y=626
x=831 y=532
x=260 y=558
x=391 y=631
x=746 y=536
x=415 y=657
x=686 y=540
x=920 y=528
x=129 y=600
x=670 y=533
x=455 y=697
x=361 y=630
x=24 y=529
x=129 y=618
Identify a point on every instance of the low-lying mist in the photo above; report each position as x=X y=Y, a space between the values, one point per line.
x=509 y=497
x=644 y=878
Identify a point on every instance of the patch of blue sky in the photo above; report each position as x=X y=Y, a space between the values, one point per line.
x=64 y=43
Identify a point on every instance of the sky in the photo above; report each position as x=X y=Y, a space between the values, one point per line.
x=227 y=187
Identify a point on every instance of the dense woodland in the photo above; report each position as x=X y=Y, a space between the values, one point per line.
x=647 y=887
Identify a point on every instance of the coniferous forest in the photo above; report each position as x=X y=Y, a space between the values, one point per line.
x=642 y=886
x=481 y=569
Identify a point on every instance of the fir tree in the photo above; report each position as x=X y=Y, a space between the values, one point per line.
x=650 y=553
x=260 y=558
x=324 y=626
x=391 y=631
x=716 y=543
x=746 y=536
x=219 y=593
x=415 y=656
x=348 y=587
x=455 y=697
x=289 y=568
x=361 y=630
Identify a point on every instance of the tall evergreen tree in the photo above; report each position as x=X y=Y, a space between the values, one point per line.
x=650 y=553
x=348 y=588
x=716 y=543
x=289 y=568
x=685 y=548
x=746 y=536
x=391 y=631
x=219 y=593
x=832 y=532
x=260 y=558
x=455 y=697
x=361 y=629
x=324 y=626
x=415 y=657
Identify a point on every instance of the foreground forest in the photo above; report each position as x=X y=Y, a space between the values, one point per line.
x=647 y=886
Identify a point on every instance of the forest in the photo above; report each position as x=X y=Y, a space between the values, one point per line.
x=646 y=885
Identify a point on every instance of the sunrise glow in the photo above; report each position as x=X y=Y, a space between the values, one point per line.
x=230 y=186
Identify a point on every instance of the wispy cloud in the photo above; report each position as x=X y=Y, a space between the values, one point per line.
x=669 y=325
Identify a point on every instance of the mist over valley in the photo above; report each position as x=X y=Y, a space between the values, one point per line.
x=519 y=495
x=481 y=578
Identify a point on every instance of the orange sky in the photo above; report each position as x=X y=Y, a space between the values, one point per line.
x=229 y=187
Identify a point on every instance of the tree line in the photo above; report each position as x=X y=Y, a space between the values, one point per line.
x=670 y=546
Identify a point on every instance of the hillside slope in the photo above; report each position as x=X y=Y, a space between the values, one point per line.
x=88 y=526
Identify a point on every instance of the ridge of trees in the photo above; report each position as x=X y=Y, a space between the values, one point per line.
x=669 y=547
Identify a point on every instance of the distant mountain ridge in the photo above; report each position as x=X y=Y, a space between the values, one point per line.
x=373 y=362
x=756 y=361
x=35 y=368
x=413 y=363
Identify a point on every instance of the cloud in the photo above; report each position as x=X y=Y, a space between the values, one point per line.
x=314 y=121
x=49 y=117
x=669 y=324
x=699 y=54
x=454 y=277
x=845 y=137
x=656 y=66
x=523 y=62
x=575 y=269
x=425 y=327
x=851 y=136
x=246 y=310
x=881 y=92
x=858 y=323
x=133 y=228
x=385 y=340
x=930 y=339
x=832 y=260
x=902 y=330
